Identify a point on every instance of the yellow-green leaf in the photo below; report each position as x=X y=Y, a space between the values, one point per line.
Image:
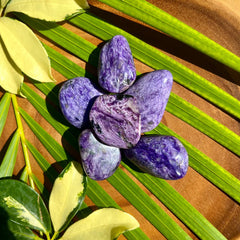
x=11 y=77
x=103 y=224
x=25 y=50
x=3 y=3
x=67 y=195
x=50 y=10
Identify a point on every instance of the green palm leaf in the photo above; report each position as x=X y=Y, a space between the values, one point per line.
x=9 y=160
x=175 y=28
x=4 y=107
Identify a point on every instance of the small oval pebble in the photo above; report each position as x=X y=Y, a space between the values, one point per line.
x=116 y=70
x=99 y=160
x=116 y=120
x=76 y=97
x=152 y=91
x=161 y=156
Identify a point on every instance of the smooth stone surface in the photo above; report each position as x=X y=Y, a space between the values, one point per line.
x=99 y=160
x=152 y=91
x=116 y=70
x=76 y=97
x=116 y=120
x=161 y=156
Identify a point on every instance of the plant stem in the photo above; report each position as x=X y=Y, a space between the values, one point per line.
x=54 y=236
x=23 y=139
x=48 y=237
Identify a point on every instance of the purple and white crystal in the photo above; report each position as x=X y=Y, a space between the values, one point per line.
x=99 y=160
x=116 y=70
x=152 y=91
x=161 y=156
x=116 y=120
x=76 y=97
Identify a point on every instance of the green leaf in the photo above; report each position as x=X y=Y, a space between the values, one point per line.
x=28 y=54
x=4 y=107
x=158 y=60
x=9 y=160
x=163 y=21
x=13 y=231
x=24 y=206
x=49 y=10
x=44 y=137
x=42 y=106
x=24 y=175
x=42 y=162
x=21 y=233
x=106 y=223
x=67 y=195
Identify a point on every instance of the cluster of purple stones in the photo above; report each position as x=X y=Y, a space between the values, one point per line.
x=116 y=115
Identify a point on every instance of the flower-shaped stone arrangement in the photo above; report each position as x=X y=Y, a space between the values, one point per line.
x=115 y=115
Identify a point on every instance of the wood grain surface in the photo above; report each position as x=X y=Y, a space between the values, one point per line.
x=220 y=21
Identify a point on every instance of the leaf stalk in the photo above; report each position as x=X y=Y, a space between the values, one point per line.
x=55 y=235
x=23 y=139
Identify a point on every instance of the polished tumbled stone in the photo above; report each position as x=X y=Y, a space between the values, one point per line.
x=161 y=156
x=99 y=161
x=116 y=120
x=152 y=91
x=76 y=97
x=116 y=69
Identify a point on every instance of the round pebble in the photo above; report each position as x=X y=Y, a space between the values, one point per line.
x=99 y=160
x=76 y=97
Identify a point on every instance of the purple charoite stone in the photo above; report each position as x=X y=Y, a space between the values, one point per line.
x=116 y=120
x=76 y=97
x=116 y=70
x=99 y=161
x=161 y=156
x=152 y=91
